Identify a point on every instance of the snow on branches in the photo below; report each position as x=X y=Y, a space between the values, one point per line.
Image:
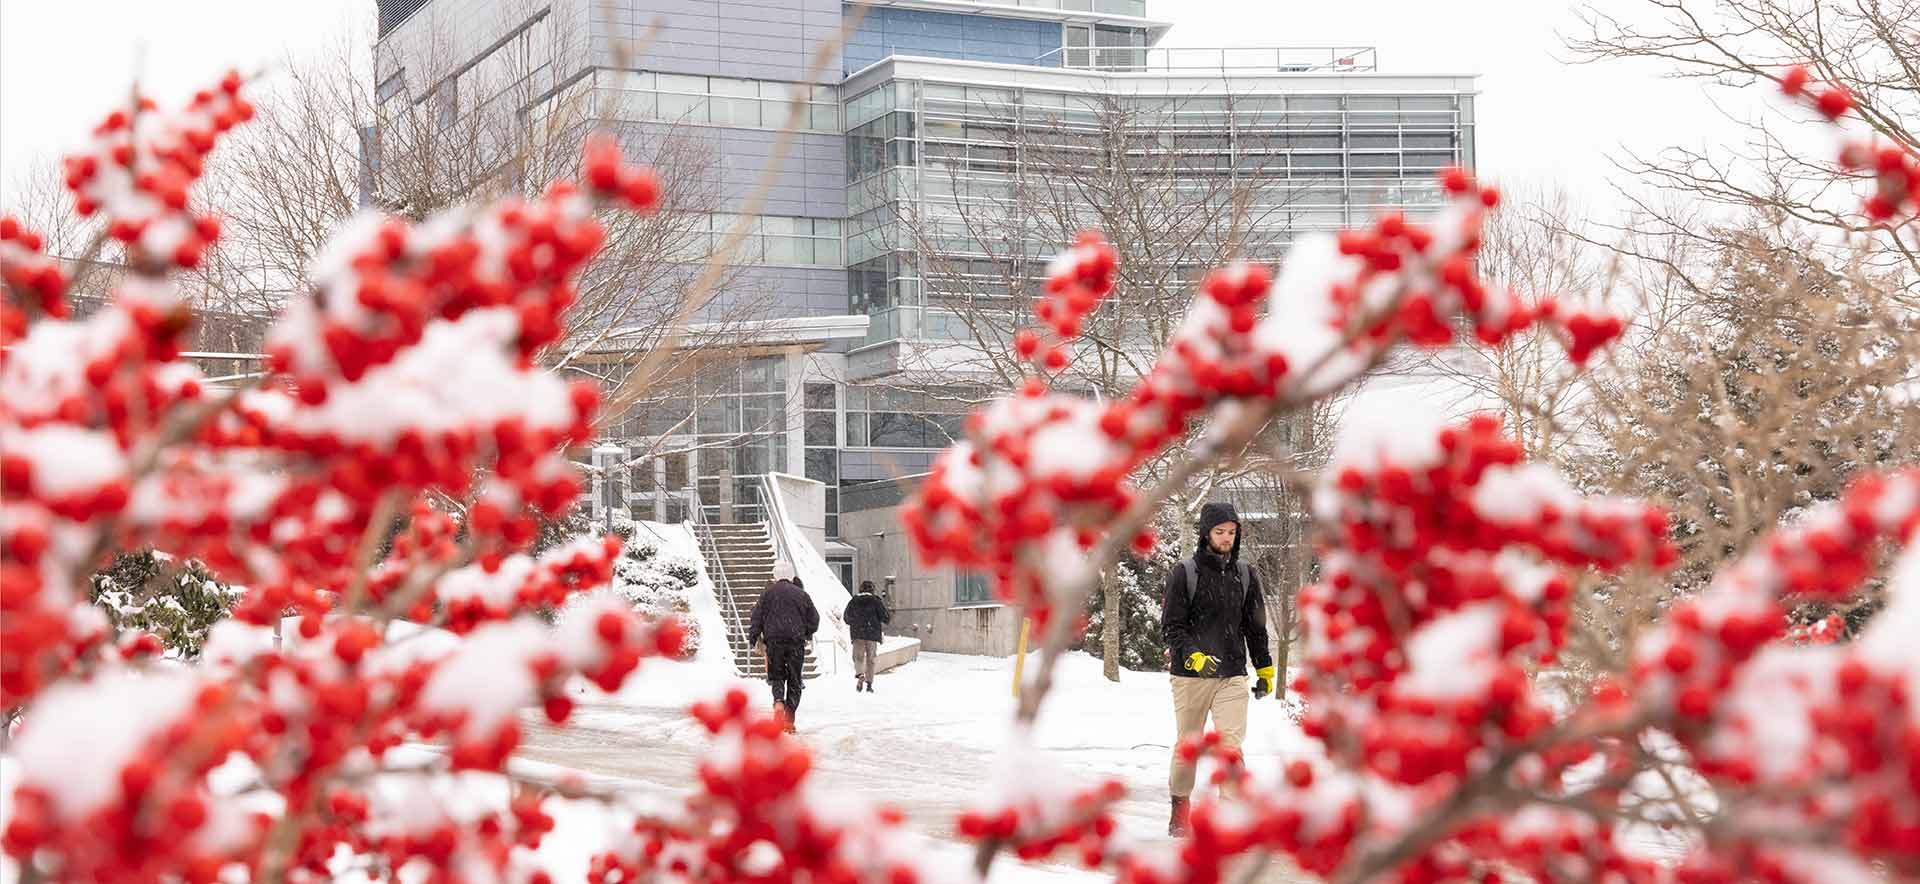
x=407 y=370
x=756 y=817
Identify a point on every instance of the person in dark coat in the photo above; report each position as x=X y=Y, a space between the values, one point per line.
x=1214 y=621
x=785 y=620
x=866 y=613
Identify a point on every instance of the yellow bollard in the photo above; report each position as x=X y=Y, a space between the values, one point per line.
x=1020 y=659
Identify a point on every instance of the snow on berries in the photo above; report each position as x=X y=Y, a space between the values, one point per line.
x=406 y=376
x=756 y=816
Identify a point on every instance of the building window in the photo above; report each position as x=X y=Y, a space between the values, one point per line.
x=717 y=101
x=820 y=434
x=970 y=588
x=446 y=104
x=880 y=417
x=770 y=239
x=390 y=86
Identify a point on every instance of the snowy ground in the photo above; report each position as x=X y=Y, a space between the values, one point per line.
x=924 y=741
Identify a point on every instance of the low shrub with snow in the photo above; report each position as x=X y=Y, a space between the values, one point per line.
x=657 y=583
x=176 y=601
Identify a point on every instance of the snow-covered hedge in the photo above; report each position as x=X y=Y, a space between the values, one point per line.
x=659 y=584
x=151 y=592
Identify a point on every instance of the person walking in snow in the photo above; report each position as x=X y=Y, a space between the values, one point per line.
x=785 y=619
x=1213 y=621
x=866 y=613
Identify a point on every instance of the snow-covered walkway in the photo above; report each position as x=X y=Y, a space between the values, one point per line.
x=924 y=741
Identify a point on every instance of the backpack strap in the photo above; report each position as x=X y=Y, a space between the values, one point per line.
x=1193 y=577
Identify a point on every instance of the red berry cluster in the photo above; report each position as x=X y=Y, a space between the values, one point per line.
x=30 y=276
x=754 y=817
x=1416 y=282
x=299 y=717
x=140 y=168
x=1440 y=582
x=1895 y=169
x=311 y=491
x=44 y=633
x=1037 y=812
x=1077 y=281
x=1824 y=631
x=1538 y=842
x=1833 y=723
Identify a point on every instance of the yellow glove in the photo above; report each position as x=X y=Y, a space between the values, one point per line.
x=1203 y=664
x=1264 y=685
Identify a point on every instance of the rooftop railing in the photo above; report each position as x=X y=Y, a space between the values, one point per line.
x=1195 y=60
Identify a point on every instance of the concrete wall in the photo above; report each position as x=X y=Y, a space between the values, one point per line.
x=806 y=502
x=887 y=31
x=922 y=598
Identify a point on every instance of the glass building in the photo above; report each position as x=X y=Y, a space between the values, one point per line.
x=920 y=193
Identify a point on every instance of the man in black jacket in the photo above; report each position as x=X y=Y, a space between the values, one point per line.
x=1213 y=620
x=785 y=619
x=866 y=613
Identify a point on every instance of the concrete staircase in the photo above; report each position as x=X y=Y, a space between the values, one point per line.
x=743 y=556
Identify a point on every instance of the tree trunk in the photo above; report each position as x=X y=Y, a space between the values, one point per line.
x=1284 y=645
x=1110 y=627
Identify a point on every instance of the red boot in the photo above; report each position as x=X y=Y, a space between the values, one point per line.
x=1177 y=824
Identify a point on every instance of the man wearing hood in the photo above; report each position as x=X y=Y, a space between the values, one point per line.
x=785 y=619
x=1213 y=620
x=866 y=613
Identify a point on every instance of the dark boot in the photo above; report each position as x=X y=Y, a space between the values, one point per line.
x=1177 y=823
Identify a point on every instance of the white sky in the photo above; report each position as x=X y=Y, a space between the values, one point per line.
x=1540 y=120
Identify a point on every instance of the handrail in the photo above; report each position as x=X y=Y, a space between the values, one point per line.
x=774 y=506
x=1178 y=59
x=717 y=569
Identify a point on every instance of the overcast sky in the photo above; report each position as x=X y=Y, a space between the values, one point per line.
x=1540 y=120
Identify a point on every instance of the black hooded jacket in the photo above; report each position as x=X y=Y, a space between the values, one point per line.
x=866 y=613
x=1219 y=617
x=784 y=614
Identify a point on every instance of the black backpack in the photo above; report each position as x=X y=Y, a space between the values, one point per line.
x=1192 y=573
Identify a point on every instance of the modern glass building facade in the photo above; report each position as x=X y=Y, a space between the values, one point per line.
x=903 y=210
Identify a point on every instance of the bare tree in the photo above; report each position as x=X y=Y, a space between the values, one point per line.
x=1171 y=196
x=1871 y=47
x=1537 y=248
x=1003 y=186
x=330 y=142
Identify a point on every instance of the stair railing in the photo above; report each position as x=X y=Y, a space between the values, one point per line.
x=717 y=569
x=775 y=506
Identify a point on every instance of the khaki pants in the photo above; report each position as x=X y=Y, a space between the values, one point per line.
x=1193 y=700
x=864 y=653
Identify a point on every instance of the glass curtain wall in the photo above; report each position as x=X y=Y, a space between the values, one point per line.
x=950 y=156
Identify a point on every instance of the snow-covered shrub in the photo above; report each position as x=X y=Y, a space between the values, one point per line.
x=1139 y=584
x=149 y=591
x=658 y=585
